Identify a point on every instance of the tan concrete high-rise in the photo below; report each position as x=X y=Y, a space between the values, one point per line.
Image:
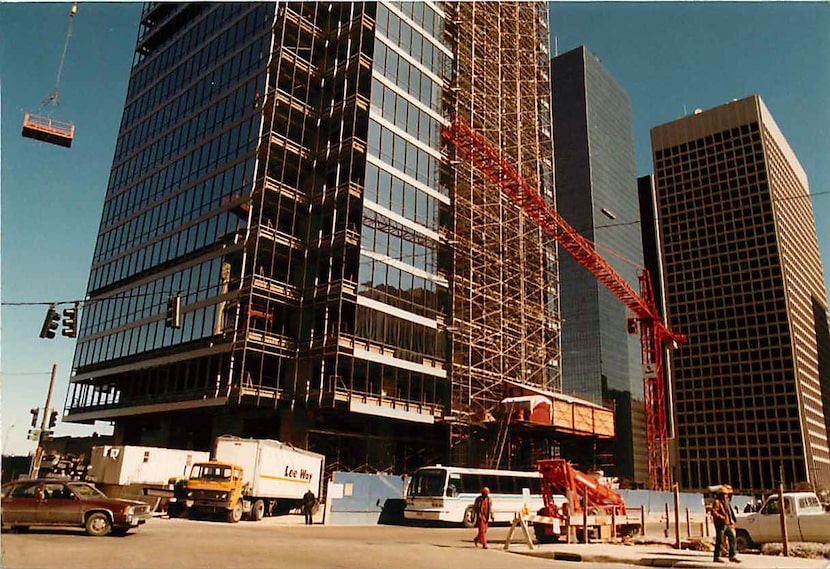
x=745 y=283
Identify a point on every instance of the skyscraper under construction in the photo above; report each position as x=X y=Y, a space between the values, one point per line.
x=744 y=281
x=345 y=283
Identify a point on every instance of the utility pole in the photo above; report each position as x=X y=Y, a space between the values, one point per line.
x=35 y=466
x=782 y=513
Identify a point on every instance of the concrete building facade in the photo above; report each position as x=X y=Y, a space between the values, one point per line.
x=744 y=283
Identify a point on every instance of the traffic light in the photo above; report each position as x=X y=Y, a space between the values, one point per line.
x=50 y=323
x=53 y=419
x=174 y=312
x=34 y=412
x=632 y=326
x=70 y=322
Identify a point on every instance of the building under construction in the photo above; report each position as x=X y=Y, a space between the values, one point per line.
x=345 y=282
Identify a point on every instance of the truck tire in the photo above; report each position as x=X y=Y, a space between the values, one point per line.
x=235 y=514
x=743 y=542
x=257 y=511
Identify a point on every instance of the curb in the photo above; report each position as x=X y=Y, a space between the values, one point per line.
x=608 y=559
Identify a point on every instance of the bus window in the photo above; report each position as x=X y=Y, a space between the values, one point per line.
x=454 y=485
x=490 y=481
x=470 y=483
x=535 y=485
x=428 y=483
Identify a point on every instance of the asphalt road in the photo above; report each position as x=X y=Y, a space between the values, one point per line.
x=272 y=542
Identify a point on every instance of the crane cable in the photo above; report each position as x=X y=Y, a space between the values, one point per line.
x=53 y=98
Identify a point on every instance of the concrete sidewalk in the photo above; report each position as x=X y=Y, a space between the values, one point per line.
x=659 y=556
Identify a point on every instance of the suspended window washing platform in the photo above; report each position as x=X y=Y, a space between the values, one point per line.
x=48 y=130
x=44 y=128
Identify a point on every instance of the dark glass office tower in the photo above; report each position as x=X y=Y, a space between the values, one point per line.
x=596 y=188
x=280 y=167
x=744 y=282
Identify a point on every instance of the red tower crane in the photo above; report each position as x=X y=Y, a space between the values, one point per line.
x=653 y=331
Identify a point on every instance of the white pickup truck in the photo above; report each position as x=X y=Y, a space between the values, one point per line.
x=806 y=521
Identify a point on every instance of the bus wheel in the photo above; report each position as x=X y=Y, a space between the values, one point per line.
x=470 y=517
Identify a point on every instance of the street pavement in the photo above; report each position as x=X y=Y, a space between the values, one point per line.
x=659 y=555
x=279 y=542
x=641 y=554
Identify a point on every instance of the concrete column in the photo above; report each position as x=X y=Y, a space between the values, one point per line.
x=227 y=422
x=294 y=426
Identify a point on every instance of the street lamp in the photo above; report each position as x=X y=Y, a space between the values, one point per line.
x=6 y=438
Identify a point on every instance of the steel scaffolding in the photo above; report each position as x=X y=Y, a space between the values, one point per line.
x=504 y=290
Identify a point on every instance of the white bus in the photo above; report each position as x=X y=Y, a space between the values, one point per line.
x=446 y=493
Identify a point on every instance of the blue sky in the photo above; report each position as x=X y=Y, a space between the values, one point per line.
x=670 y=58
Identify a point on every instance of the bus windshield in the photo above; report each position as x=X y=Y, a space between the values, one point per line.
x=428 y=482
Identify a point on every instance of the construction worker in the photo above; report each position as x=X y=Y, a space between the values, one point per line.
x=483 y=507
x=724 y=517
x=309 y=501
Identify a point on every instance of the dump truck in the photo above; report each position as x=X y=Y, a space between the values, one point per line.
x=252 y=478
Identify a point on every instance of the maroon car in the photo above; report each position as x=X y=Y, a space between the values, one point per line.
x=51 y=502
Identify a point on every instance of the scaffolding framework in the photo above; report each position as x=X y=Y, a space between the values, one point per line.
x=504 y=289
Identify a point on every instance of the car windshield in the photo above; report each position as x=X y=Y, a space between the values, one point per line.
x=210 y=472
x=87 y=490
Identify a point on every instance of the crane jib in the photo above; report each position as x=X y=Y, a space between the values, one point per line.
x=653 y=331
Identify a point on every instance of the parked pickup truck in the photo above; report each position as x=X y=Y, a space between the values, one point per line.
x=806 y=521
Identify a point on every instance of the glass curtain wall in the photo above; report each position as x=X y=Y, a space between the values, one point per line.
x=185 y=154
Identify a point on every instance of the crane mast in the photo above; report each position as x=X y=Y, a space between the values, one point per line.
x=653 y=331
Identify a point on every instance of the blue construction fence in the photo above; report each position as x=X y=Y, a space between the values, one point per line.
x=354 y=498
x=654 y=503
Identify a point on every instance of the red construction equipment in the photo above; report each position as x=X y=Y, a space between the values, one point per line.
x=559 y=477
x=653 y=332
x=582 y=493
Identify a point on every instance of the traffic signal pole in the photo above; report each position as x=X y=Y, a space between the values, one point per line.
x=34 y=469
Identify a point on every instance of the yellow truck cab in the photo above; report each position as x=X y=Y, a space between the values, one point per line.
x=216 y=487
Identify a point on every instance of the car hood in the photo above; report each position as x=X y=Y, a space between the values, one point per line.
x=113 y=502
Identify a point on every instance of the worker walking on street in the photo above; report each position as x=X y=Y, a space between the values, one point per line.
x=309 y=501
x=483 y=507
x=724 y=518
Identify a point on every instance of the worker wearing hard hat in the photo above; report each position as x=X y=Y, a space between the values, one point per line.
x=724 y=517
x=483 y=508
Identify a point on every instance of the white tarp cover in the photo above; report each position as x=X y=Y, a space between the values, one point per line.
x=531 y=400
